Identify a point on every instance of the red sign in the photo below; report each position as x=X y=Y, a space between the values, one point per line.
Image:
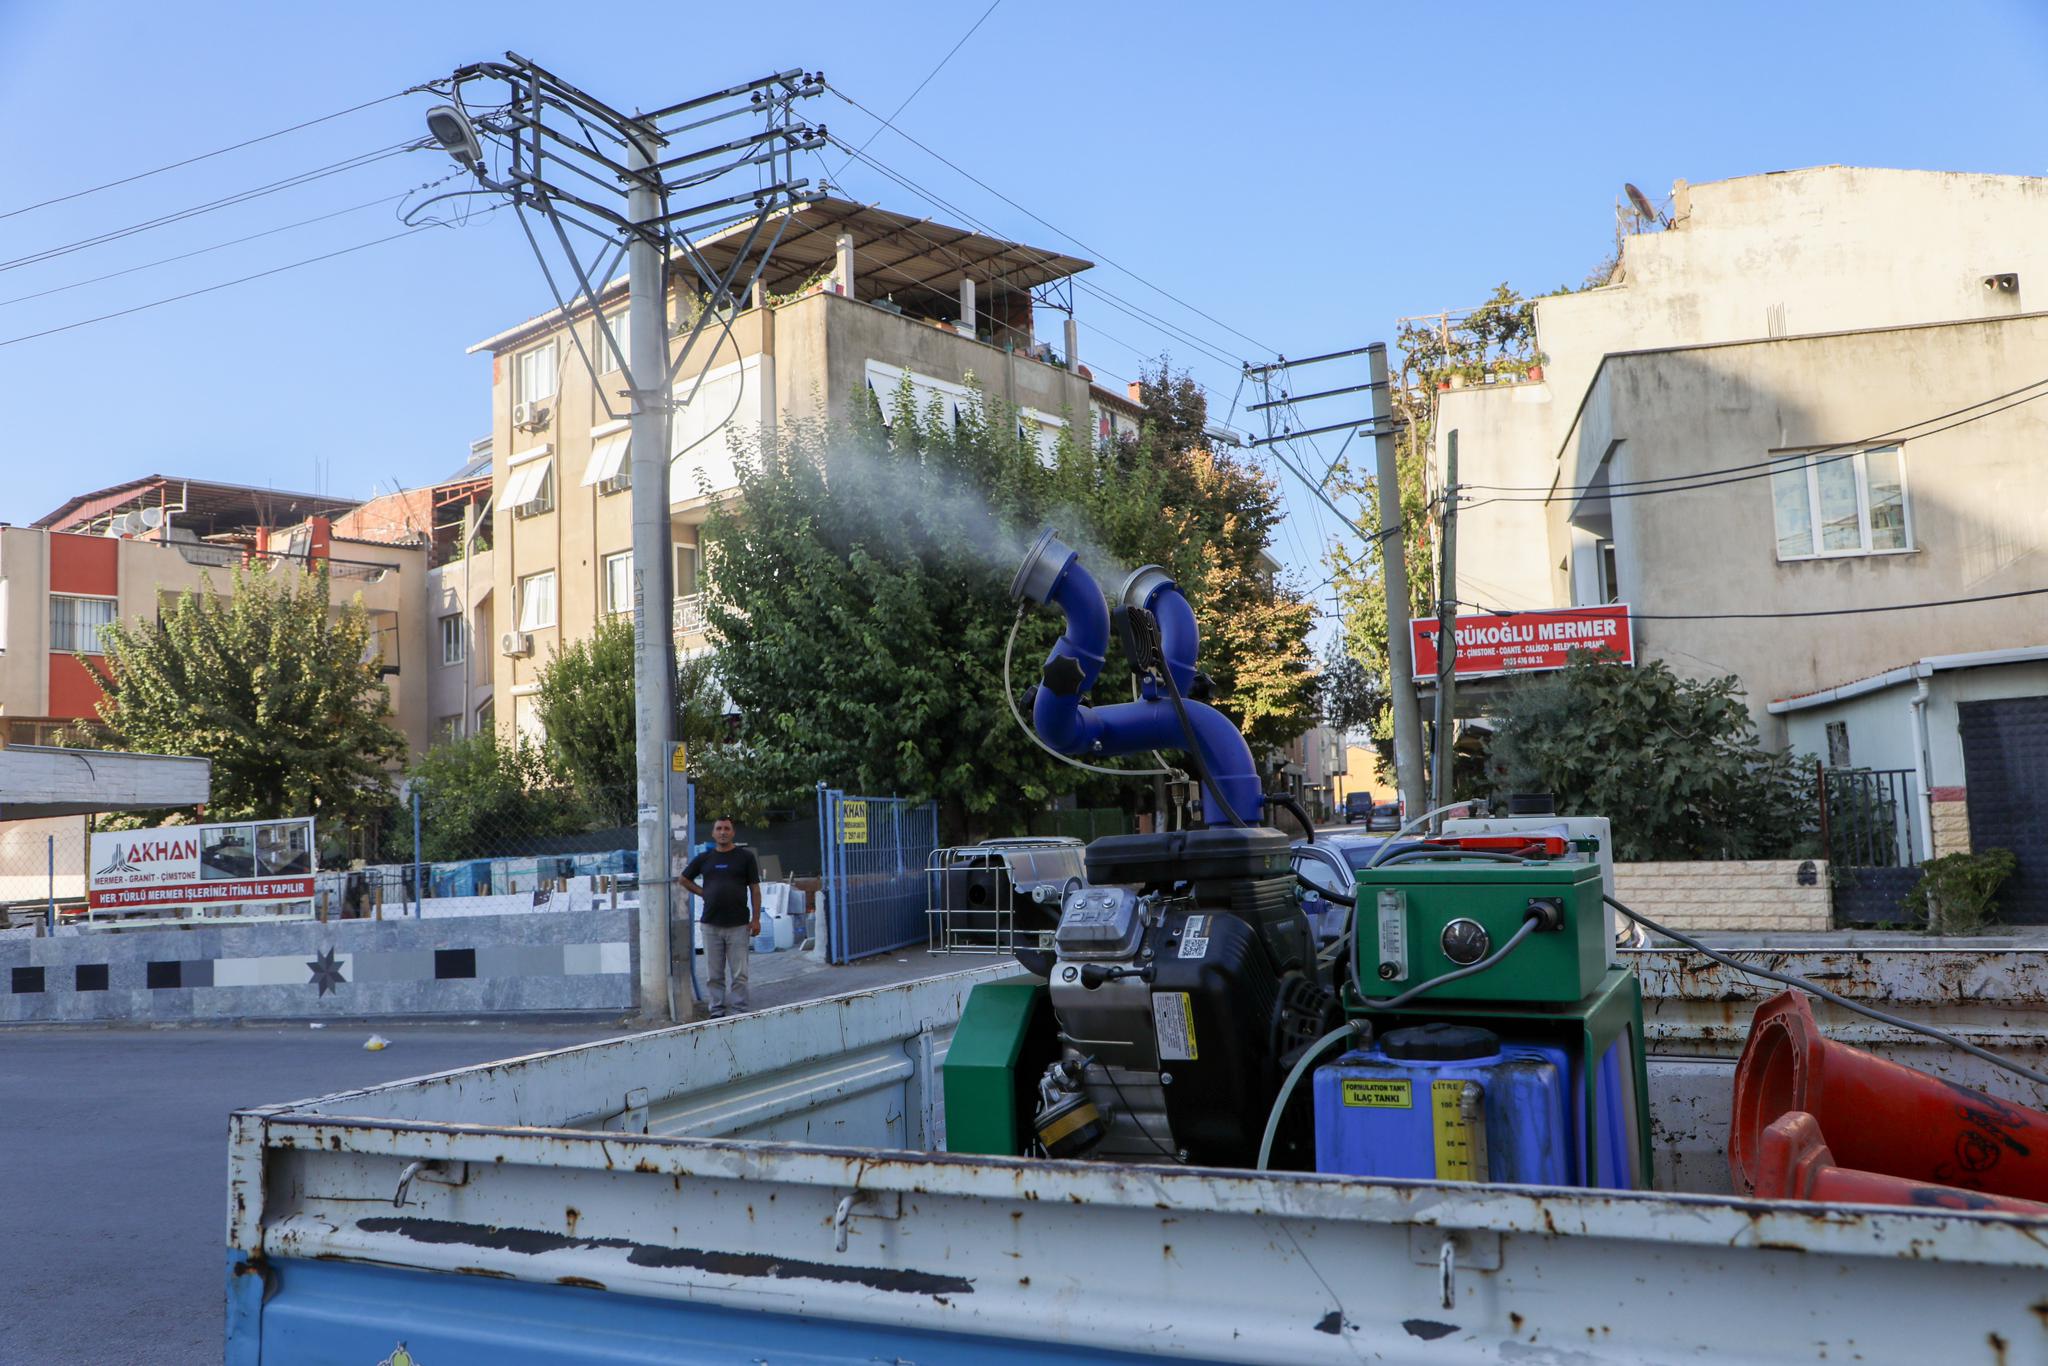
x=1525 y=642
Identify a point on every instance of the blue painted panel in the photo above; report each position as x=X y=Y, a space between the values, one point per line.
x=350 y=1315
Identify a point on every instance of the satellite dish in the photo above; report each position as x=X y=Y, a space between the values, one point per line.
x=1643 y=207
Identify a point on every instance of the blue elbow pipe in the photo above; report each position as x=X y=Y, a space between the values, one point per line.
x=1052 y=575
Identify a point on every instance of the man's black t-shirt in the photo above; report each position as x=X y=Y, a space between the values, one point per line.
x=725 y=878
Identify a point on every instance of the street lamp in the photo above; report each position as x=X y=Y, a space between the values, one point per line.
x=451 y=128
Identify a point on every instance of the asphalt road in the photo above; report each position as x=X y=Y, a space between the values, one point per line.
x=113 y=1168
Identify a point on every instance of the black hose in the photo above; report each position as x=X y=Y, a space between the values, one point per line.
x=1326 y=894
x=1195 y=757
x=1787 y=979
x=1286 y=800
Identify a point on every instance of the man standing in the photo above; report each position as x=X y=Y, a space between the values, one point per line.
x=729 y=879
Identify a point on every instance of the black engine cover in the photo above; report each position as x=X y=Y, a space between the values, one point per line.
x=1214 y=996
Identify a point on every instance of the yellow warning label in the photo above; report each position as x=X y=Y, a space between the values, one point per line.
x=1390 y=1093
x=853 y=823
x=1460 y=1141
x=679 y=759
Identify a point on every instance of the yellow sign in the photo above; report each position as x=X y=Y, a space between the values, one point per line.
x=1389 y=1093
x=853 y=823
x=1459 y=1122
x=678 y=759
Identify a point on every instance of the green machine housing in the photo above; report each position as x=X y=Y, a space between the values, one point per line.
x=1419 y=920
x=1006 y=1038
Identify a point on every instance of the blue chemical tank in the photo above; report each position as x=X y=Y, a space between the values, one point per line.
x=1445 y=1102
x=1614 y=1148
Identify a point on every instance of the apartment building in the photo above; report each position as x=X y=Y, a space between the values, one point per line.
x=1812 y=392
x=419 y=559
x=854 y=300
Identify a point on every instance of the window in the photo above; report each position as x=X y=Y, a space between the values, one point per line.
x=486 y=717
x=533 y=375
x=537 y=601
x=1836 y=503
x=76 y=623
x=618 y=583
x=685 y=585
x=530 y=489
x=1610 y=579
x=1838 y=744
x=615 y=355
x=608 y=468
x=448 y=728
x=451 y=638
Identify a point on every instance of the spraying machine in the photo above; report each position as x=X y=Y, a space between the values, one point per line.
x=1468 y=1025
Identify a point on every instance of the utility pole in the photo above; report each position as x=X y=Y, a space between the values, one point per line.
x=1408 y=770
x=1446 y=629
x=552 y=142
x=654 y=645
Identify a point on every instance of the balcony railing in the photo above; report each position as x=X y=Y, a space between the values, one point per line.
x=688 y=614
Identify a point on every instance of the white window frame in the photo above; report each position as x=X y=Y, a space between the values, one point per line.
x=615 y=357
x=98 y=647
x=529 y=616
x=613 y=605
x=550 y=368
x=696 y=575
x=1858 y=463
x=453 y=644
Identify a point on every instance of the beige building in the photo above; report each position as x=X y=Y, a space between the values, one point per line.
x=1778 y=321
x=854 y=300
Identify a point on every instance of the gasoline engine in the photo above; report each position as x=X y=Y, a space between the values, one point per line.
x=1183 y=976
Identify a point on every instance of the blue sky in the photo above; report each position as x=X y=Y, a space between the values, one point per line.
x=1303 y=173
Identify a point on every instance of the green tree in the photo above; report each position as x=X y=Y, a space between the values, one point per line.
x=585 y=704
x=1673 y=762
x=281 y=691
x=858 y=588
x=482 y=796
x=1213 y=528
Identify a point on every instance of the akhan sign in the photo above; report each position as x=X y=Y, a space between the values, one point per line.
x=201 y=865
x=1489 y=645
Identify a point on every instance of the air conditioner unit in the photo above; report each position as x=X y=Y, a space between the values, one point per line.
x=529 y=416
x=618 y=483
x=516 y=643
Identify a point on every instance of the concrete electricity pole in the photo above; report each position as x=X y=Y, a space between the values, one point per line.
x=1446 y=630
x=654 y=646
x=1408 y=771
x=588 y=138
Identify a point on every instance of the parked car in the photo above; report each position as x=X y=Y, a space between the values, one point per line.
x=1386 y=818
x=1357 y=807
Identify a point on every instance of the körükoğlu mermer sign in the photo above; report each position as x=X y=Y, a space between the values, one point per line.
x=1523 y=642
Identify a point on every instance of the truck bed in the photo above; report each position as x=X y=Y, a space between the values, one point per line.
x=775 y=1188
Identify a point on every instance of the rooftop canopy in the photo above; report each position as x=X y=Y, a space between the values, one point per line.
x=917 y=263
x=198 y=505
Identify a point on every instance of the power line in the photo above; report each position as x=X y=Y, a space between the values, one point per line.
x=1100 y=255
x=227 y=201
x=1764 y=616
x=218 y=151
x=217 y=246
x=1782 y=463
x=224 y=284
x=890 y=122
x=1852 y=448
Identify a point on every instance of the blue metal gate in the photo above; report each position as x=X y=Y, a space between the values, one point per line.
x=874 y=850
